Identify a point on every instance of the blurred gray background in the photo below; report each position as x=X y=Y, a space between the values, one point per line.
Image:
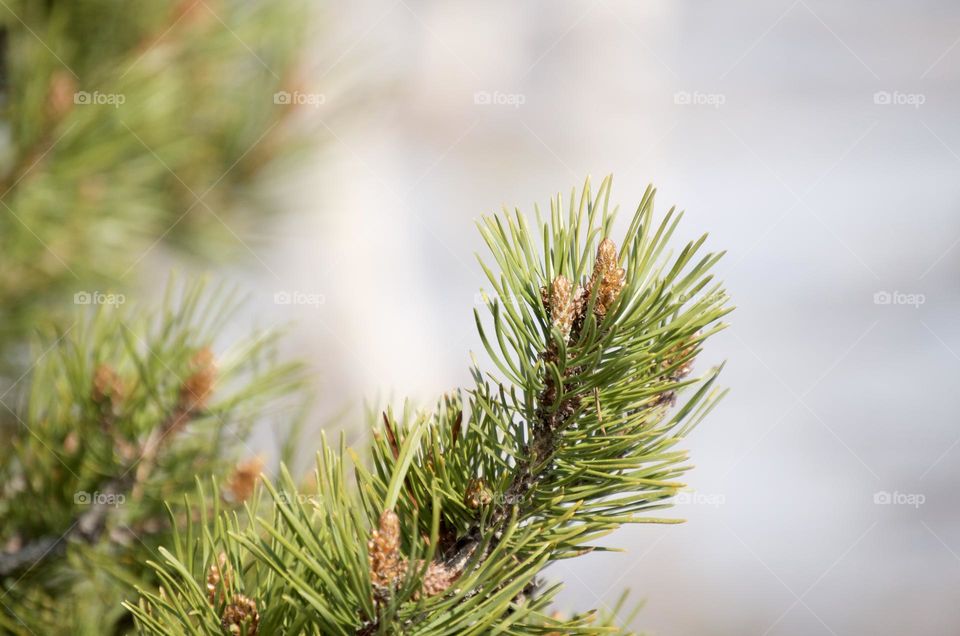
x=816 y=141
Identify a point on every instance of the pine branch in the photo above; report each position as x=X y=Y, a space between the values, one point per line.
x=462 y=508
x=122 y=411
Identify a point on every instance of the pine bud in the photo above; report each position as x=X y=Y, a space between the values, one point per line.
x=71 y=443
x=563 y=303
x=683 y=370
x=436 y=580
x=196 y=390
x=477 y=494
x=607 y=278
x=107 y=386
x=60 y=95
x=387 y=567
x=243 y=480
x=676 y=353
x=219 y=572
x=383 y=551
x=681 y=351
x=241 y=616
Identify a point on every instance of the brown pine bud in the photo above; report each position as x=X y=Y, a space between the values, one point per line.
x=197 y=388
x=383 y=551
x=107 y=386
x=218 y=577
x=71 y=443
x=243 y=479
x=683 y=370
x=681 y=351
x=387 y=567
x=564 y=303
x=436 y=580
x=239 y=614
x=607 y=278
x=60 y=95
x=477 y=494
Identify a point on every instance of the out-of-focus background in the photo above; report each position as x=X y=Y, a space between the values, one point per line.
x=816 y=141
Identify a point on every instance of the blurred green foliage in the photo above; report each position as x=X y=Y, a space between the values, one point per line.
x=126 y=127
x=130 y=124
x=126 y=408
